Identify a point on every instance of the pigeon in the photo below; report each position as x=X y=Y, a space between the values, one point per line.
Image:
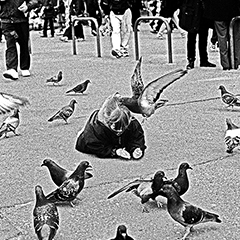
x=10 y=124
x=229 y=98
x=185 y=213
x=145 y=100
x=9 y=102
x=59 y=174
x=80 y=88
x=180 y=183
x=144 y=188
x=55 y=79
x=232 y=136
x=45 y=216
x=71 y=187
x=122 y=233
x=65 y=112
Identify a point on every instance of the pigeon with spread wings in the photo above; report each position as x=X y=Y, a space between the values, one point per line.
x=145 y=100
x=185 y=213
x=228 y=98
x=144 y=188
x=10 y=102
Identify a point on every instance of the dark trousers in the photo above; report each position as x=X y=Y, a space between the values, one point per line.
x=17 y=33
x=45 y=25
x=202 y=44
x=78 y=31
x=98 y=18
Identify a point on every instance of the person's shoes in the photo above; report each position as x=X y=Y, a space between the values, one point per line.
x=207 y=64
x=154 y=31
x=160 y=35
x=64 y=39
x=124 y=52
x=11 y=74
x=226 y=68
x=26 y=73
x=94 y=33
x=43 y=36
x=116 y=53
x=190 y=65
x=80 y=39
x=213 y=47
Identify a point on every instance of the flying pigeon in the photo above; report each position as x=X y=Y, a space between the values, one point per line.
x=183 y=212
x=9 y=102
x=122 y=233
x=59 y=174
x=232 y=136
x=55 y=79
x=71 y=187
x=10 y=124
x=229 y=98
x=145 y=100
x=65 y=112
x=181 y=182
x=80 y=88
x=144 y=188
x=45 y=216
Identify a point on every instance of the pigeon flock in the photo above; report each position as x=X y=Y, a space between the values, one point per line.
x=145 y=100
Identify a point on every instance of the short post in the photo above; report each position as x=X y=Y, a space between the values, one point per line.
x=231 y=44
x=169 y=36
x=97 y=36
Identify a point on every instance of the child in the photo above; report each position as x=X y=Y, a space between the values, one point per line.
x=112 y=132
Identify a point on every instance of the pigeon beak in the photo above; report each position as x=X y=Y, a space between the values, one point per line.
x=190 y=168
x=165 y=177
x=43 y=165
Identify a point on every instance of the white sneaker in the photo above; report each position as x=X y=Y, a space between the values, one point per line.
x=11 y=74
x=26 y=73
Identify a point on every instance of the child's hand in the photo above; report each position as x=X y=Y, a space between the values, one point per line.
x=137 y=153
x=121 y=152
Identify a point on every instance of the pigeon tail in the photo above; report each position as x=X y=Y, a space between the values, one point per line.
x=211 y=217
x=230 y=124
x=71 y=90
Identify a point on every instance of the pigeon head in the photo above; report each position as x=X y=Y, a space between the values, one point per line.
x=47 y=162
x=87 y=81
x=72 y=103
x=158 y=180
x=82 y=167
x=223 y=89
x=122 y=231
x=169 y=191
x=40 y=197
x=114 y=115
x=184 y=167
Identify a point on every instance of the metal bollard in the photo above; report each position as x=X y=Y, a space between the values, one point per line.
x=97 y=37
x=232 y=40
x=169 y=36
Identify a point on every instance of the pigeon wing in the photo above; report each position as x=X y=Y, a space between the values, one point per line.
x=153 y=90
x=9 y=102
x=130 y=186
x=229 y=98
x=136 y=80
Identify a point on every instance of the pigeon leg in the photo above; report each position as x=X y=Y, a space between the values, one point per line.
x=187 y=232
x=145 y=210
x=159 y=203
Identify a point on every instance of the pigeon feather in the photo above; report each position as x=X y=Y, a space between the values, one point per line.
x=10 y=102
x=45 y=216
x=80 y=88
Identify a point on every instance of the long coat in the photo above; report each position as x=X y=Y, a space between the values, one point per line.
x=221 y=10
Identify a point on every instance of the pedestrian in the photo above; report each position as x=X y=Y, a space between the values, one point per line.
x=191 y=19
x=112 y=132
x=93 y=10
x=121 y=22
x=170 y=10
x=48 y=16
x=61 y=15
x=222 y=12
x=15 y=27
x=74 y=8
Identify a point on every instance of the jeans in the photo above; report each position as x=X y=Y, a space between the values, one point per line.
x=17 y=33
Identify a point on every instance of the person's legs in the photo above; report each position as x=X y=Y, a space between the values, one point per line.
x=45 y=24
x=116 y=37
x=126 y=27
x=191 y=52
x=236 y=36
x=51 y=26
x=223 y=40
x=22 y=30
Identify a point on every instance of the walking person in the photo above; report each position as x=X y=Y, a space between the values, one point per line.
x=191 y=19
x=48 y=16
x=121 y=22
x=15 y=28
x=222 y=12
